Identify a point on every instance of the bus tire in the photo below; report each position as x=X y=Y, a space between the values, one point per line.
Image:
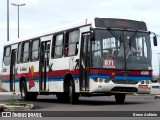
x=120 y=98
x=73 y=97
x=24 y=95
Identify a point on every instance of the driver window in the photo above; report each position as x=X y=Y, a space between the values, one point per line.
x=96 y=48
x=110 y=47
x=141 y=47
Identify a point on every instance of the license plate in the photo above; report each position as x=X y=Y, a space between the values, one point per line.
x=143 y=86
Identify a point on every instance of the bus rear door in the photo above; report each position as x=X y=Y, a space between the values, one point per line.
x=44 y=65
x=12 y=70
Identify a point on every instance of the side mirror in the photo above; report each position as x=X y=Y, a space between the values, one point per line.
x=92 y=35
x=155 y=40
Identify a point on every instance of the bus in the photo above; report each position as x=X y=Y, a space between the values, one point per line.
x=93 y=57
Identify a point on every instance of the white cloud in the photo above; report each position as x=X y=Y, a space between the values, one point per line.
x=31 y=2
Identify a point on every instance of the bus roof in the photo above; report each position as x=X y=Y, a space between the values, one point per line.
x=52 y=31
x=88 y=21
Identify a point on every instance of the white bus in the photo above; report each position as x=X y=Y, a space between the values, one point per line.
x=100 y=56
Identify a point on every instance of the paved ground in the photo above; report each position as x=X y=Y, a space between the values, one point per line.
x=103 y=103
x=133 y=103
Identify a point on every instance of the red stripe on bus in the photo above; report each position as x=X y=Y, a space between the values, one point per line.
x=134 y=72
x=51 y=73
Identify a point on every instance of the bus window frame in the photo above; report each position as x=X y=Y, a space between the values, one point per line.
x=9 y=46
x=31 y=44
x=66 y=44
x=22 y=52
x=18 y=53
x=54 y=45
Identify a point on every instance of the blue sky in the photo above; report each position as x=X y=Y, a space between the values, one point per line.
x=41 y=15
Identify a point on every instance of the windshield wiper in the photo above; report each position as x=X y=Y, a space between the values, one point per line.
x=133 y=36
x=118 y=38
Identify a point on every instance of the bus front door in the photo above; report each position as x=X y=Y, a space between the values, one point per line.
x=44 y=65
x=84 y=62
x=12 y=70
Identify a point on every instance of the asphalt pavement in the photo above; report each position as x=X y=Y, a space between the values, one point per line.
x=103 y=103
x=49 y=104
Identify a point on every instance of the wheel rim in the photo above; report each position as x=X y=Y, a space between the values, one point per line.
x=23 y=92
x=70 y=93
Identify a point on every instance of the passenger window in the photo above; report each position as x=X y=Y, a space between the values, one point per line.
x=7 y=54
x=72 y=44
x=34 y=50
x=25 y=54
x=57 y=50
x=19 y=53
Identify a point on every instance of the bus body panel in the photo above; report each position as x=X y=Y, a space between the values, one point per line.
x=48 y=74
x=5 y=77
x=33 y=77
x=59 y=70
x=106 y=80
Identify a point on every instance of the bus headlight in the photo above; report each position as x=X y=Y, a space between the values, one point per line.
x=100 y=80
x=106 y=81
x=142 y=82
x=147 y=81
x=95 y=79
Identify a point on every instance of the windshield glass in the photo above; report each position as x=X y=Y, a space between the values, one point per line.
x=139 y=55
x=121 y=50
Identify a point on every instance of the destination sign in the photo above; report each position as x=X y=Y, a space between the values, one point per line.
x=120 y=23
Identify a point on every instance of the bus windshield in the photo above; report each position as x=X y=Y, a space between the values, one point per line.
x=126 y=50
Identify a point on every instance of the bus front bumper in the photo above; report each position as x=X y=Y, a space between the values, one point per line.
x=119 y=88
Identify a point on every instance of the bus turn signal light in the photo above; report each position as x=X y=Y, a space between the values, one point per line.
x=112 y=75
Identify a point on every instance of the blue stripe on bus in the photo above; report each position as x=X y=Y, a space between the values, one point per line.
x=106 y=76
x=122 y=77
x=133 y=77
x=36 y=78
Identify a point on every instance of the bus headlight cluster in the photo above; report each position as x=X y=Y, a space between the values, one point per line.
x=145 y=82
x=100 y=80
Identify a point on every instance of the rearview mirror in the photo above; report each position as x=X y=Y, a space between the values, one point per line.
x=155 y=40
x=92 y=35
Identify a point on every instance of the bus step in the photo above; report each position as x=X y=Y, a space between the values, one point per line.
x=43 y=91
x=84 y=91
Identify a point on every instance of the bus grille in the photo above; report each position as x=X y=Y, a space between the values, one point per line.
x=124 y=89
x=125 y=82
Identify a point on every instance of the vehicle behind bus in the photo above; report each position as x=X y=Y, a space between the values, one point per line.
x=101 y=56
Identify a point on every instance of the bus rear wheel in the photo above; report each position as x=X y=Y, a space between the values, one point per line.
x=120 y=98
x=23 y=91
x=25 y=95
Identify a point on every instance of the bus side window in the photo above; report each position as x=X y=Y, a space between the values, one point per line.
x=25 y=52
x=7 y=54
x=34 y=50
x=19 y=53
x=57 y=49
x=72 y=44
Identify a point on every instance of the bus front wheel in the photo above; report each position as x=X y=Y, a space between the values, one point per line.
x=120 y=98
x=73 y=97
